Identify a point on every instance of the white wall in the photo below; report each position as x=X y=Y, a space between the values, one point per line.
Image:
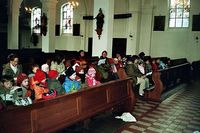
x=174 y=43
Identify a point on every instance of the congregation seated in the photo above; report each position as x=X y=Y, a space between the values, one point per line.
x=106 y=69
x=138 y=77
x=104 y=66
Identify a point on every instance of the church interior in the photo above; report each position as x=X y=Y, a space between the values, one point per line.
x=100 y=66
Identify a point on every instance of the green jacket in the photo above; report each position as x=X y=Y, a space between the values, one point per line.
x=3 y=93
x=104 y=68
x=54 y=84
x=7 y=70
x=133 y=71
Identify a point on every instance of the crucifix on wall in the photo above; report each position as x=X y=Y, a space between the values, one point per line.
x=99 y=23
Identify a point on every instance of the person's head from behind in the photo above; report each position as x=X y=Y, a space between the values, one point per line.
x=135 y=59
x=7 y=81
x=13 y=59
x=147 y=60
x=40 y=76
x=141 y=55
x=45 y=68
x=104 y=54
x=59 y=58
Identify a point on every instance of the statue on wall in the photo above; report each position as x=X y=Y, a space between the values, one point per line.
x=99 y=23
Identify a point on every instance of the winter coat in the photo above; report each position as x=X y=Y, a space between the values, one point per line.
x=39 y=90
x=133 y=71
x=54 y=84
x=7 y=70
x=104 y=68
x=71 y=85
x=91 y=81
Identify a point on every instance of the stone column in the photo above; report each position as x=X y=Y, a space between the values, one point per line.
x=146 y=26
x=104 y=42
x=133 y=38
x=48 y=41
x=13 y=23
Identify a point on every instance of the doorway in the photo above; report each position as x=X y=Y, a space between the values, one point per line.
x=119 y=46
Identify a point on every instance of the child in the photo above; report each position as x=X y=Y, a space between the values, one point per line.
x=71 y=84
x=38 y=84
x=90 y=77
x=54 y=83
x=23 y=82
x=45 y=68
x=5 y=97
x=35 y=67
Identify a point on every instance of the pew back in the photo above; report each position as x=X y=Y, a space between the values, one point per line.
x=65 y=110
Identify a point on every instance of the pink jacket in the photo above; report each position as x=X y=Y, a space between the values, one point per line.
x=91 y=81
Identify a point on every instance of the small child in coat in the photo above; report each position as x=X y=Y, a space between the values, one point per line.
x=54 y=83
x=71 y=84
x=90 y=77
x=5 y=87
x=38 y=84
x=23 y=82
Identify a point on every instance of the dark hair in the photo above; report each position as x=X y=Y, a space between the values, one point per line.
x=11 y=57
x=105 y=52
x=134 y=57
x=6 y=78
x=141 y=54
x=147 y=58
x=34 y=65
x=80 y=51
x=58 y=58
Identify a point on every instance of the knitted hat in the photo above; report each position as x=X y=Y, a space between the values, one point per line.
x=69 y=72
x=91 y=71
x=21 y=77
x=45 y=68
x=39 y=75
x=53 y=74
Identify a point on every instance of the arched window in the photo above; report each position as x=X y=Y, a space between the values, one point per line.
x=179 y=13
x=67 y=18
x=36 y=20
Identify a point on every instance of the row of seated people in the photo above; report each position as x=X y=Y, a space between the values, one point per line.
x=43 y=83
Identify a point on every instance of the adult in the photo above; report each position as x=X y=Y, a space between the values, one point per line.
x=12 y=68
x=134 y=72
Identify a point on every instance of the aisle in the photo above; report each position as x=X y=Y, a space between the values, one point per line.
x=180 y=113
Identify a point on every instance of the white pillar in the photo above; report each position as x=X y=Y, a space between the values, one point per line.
x=133 y=38
x=48 y=41
x=13 y=23
x=105 y=41
x=146 y=26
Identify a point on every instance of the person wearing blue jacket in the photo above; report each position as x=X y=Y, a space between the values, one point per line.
x=71 y=84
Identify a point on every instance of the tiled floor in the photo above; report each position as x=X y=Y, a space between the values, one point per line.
x=179 y=112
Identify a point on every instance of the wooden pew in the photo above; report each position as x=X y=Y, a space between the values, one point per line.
x=175 y=74
x=65 y=110
x=165 y=78
x=196 y=69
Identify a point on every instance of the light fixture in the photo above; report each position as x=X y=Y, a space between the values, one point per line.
x=28 y=9
x=74 y=3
